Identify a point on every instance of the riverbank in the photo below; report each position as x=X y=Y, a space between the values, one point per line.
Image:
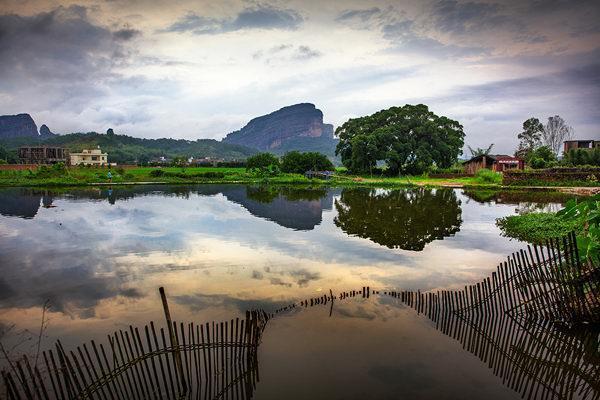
x=84 y=176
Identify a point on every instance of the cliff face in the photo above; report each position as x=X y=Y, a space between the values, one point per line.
x=20 y=125
x=45 y=131
x=272 y=131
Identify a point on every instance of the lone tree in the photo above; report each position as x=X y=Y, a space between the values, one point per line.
x=410 y=139
x=531 y=137
x=556 y=131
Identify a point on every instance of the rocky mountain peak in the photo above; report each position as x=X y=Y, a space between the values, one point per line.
x=20 y=125
x=272 y=131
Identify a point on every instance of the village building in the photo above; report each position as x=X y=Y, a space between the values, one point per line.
x=42 y=155
x=580 y=144
x=497 y=163
x=90 y=157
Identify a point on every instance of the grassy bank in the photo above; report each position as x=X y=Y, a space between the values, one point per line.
x=60 y=176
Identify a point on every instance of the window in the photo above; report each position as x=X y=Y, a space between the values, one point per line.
x=94 y=158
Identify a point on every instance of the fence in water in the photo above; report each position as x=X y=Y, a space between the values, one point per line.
x=215 y=360
x=514 y=321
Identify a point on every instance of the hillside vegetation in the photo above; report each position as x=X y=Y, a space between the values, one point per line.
x=124 y=149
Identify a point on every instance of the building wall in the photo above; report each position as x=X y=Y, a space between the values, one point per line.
x=580 y=144
x=474 y=166
x=42 y=155
x=89 y=158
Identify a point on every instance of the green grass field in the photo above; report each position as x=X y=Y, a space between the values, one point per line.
x=60 y=176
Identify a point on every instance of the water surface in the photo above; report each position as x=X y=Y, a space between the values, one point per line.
x=99 y=255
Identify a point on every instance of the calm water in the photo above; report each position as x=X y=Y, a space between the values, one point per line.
x=99 y=255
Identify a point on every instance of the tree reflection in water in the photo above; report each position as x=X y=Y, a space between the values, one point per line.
x=405 y=219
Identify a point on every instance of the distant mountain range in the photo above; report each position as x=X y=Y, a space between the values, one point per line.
x=297 y=127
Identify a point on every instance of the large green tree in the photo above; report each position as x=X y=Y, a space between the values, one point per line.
x=410 y=139
x=531 y=136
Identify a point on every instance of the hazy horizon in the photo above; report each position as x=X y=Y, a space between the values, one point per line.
x=194 y=70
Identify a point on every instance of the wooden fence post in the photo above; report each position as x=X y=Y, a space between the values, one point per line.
x=174 y=342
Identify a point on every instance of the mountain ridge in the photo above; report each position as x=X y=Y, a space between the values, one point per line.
x=294 y=127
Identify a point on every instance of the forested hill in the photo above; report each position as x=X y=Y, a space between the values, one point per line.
x=124 y=149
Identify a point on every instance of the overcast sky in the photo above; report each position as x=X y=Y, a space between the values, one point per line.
x=200 y=69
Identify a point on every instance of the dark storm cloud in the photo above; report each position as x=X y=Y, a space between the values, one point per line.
x=126 y=33
x=258 y=17
x=60 y=59
x=405 y=39
x=58 y=44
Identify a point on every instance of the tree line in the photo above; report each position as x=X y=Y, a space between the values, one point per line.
x=292 y=162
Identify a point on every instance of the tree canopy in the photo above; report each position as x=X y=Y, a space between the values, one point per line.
x=531 y=136
x=299 y=163
x=263 y=162
x=410 y=139
x=399 y=219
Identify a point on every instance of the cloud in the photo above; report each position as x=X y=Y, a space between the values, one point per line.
x=260 y=16
x=405 y=39
x=467 y=17
x=305 y=53
x=59 y=59
x=362 y=15
x=286 y=52
x=126 y=33
x=198 y=302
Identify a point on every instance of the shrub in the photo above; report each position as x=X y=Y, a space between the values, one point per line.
x=210 y=175
x=579 y=157
x=485 y=175
x=157 y=172
x=536 y=227
x=264 y=163
x=538 y=163
x=299 y=163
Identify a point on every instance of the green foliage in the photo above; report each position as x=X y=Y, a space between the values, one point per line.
x=479 y=151
x=535 y=227
x=264 y=163
x=580 y=216
x=585 y=214
x=124 y=149
x=406 y=219
x=299 y=163
x=541 y=157
x=531 y=136
x=8 y=156
x=577 y=157
x=488 y=176
x=157 y=173
x=410 y=139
